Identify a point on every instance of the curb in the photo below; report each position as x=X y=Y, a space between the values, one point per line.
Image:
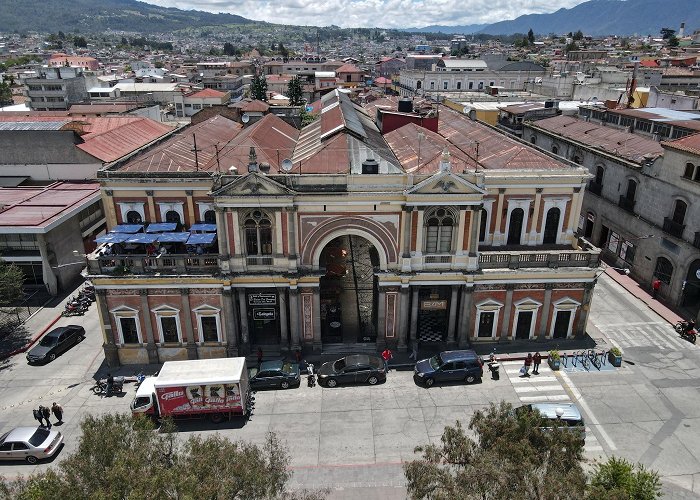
x=32 y=341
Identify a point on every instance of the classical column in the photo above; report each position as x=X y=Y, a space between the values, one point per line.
x=190 y=214
x=381 y=319
x=152 y=216
x=419 y=233
x=191 y=346
x=465 y=313
x=230 y=324
x=475 y=221
x=534 y=230
x=292 y=237
x=110 y=350
x=408 y=223
x=222 y=233
x=404 y=316
x=497 y=234
x=294 y=317
x=574 y=211
x=151 y=348
x=278 y=250
x=507 y=313
x=243 y=317
x=317 y=343
x=453 y=316
x=284 y=330
x=580 y=330
x=461 y=230
x=235 y=237
x=414 y=313
x=548 y=287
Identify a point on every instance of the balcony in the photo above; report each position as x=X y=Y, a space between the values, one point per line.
x=595 y=188
x=585 y=256
x=118 y=265
x=673 y=228
x=626 y=204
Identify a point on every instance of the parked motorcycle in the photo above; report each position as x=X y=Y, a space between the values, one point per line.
x=101 y=387
x=311 y=377
x=494 y=366
x=74 y=309
x=686 y=330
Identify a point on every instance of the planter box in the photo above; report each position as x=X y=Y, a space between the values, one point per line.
x=554 y=364
x=615 y=360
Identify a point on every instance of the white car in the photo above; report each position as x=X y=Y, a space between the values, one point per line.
x=29 y=443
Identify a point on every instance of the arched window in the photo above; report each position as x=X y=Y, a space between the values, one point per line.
x=419 y=85
x=172 y=216
x=679 y=210
x=482 y=228
x=515 y=227
x=689 y=171
x=551 y=226
x=664 y=270
x=555 y=150
x=439 y=224
x=599 y=173
x=258 y=233
x=533 y=140
x=210 y=217
x=631 y=189
x=133 y=217
x=577 y=159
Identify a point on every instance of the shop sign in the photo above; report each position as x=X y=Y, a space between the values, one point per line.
x=433 y=305
x=262 y=299
x=264 y=313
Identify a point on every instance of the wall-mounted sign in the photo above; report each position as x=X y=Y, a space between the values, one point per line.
x=262 y=299
x=433 y=305
x=264 y=313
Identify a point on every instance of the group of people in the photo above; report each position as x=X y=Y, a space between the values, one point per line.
x=43 y=415
x=531 y=361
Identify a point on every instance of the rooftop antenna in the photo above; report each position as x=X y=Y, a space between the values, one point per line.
x=218 y=165
x=196 y=157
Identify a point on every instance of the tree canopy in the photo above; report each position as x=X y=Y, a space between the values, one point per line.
x=11 y=277
x=619 y=479
x=121 y=457
x=294 y=92
x=258 y=88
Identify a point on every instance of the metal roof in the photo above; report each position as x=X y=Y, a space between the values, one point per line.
x=111 y=138
x=33 y=125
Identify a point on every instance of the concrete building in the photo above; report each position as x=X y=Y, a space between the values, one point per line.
x=641 y=208
x=445 y=243
x=52 y=89
x=193 y=102
x=47 y=230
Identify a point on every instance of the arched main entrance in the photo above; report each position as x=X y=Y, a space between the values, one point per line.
x=551 y=226
x=349 y=290
x=691 y=290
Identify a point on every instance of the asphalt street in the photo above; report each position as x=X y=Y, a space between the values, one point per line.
x=355 y=439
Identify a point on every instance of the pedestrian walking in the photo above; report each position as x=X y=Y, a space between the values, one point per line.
x=536 y=360
x=525 y=370
x=386 y=356
x=46 y=413
x=655 y=287
x=38 y=417
x=414 y=352
x=57 y=411
x=260 y=356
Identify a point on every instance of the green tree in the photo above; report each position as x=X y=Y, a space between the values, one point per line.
x=306 y=117
x=229 y=49
x=571 y=46
x=578 y=35
x=5 y=94
x=11 y=276
x=79 y=41
x=119 y=456
x=294 y=92
x=531 y=36
x=673 y=41
x=284 y=52
x=667 y=33
x=511 y=456
x=619 y=479
x=258 y=88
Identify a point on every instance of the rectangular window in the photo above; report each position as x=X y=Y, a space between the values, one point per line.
x=471 y=85
x=431 y=241
x=614 y=242
x=432 y=85
x=168 y=326
x=444 y=85
x=459 y=85
x=627 y=252
x=251 y=240
x=486 y=320
x=445 y=243
x=129 y=330
x=209 y=331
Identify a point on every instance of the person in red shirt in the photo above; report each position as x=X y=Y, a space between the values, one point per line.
x=655 y=286
x=536 y=360
x=527 y=365
x=386 y=356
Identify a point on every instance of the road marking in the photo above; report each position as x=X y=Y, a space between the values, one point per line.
x=613 y=325
x=536 y=378
x=544 y=397
x=538 y=388
x=579 y=399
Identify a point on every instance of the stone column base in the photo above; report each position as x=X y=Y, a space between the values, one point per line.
x=232 y=352
x=111 y=355
x=152 y=351
x=192 y=351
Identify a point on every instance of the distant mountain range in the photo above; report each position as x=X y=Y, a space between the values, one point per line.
x=439 y=28
x=94 y=16
x=596 y=17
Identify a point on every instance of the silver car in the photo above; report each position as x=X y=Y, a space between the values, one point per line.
x=29 y=443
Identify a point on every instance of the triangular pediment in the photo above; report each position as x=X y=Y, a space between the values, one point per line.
x=253 y=184
x=445 y=183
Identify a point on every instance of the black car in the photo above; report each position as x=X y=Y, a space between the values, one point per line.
x=282 y=374
x=450 y=366
x=56 y=342
x=356 y=368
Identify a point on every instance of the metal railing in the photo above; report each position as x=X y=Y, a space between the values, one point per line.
x=437 y=259
x=553 y=259
x=145 y=264
x=673 y=228
x=259 y=260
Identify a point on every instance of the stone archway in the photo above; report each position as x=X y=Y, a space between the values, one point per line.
x=350 y=231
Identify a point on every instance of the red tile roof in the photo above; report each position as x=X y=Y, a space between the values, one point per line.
x=40 y=208
x=250 y=105
x=201 y=94
x=689 y=144
x=631 y=147
x=348 y=68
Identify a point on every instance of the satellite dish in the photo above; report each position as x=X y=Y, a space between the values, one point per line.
x=287 y=165
x=245 y=118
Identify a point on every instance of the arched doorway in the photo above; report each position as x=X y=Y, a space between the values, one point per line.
x=515 y=227
x=691 y=292
x=349 y=290
x=551 y=226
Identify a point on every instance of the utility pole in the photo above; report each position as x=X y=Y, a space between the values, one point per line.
x=196 y=157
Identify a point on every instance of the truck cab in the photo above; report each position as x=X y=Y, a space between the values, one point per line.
x=145 y=401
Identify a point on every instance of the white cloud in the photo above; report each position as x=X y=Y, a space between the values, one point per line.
x=371 y=13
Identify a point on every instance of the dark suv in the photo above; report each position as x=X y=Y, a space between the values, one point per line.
x=450 y=366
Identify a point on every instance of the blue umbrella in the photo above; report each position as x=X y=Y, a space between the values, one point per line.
x=127 y=228
x=161 y=227
x=142 y=238
x=112 y=238
x=173 y=237
x=203 y=228
x=201 y=239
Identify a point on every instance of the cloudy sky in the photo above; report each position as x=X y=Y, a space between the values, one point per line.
x=372 y=13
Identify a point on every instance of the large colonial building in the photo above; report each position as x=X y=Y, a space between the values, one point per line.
x=224 y=239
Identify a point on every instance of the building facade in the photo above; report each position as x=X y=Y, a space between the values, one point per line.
x=335 y=235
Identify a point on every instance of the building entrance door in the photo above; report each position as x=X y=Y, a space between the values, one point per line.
x=349 y=291
x=522 y=328
x=561 y=324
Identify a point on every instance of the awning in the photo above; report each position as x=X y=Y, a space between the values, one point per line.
x=203 y=228
x=173 y=237
x=112 y=238
x=126 y=228
x=201 y=239
x=161 y=227
x=142 y=238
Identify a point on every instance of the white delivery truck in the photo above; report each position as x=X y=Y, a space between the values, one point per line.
x=217 y=388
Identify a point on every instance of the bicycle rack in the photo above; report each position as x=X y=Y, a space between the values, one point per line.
x=565 y=360
x=604 y=357
x=593 y=356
